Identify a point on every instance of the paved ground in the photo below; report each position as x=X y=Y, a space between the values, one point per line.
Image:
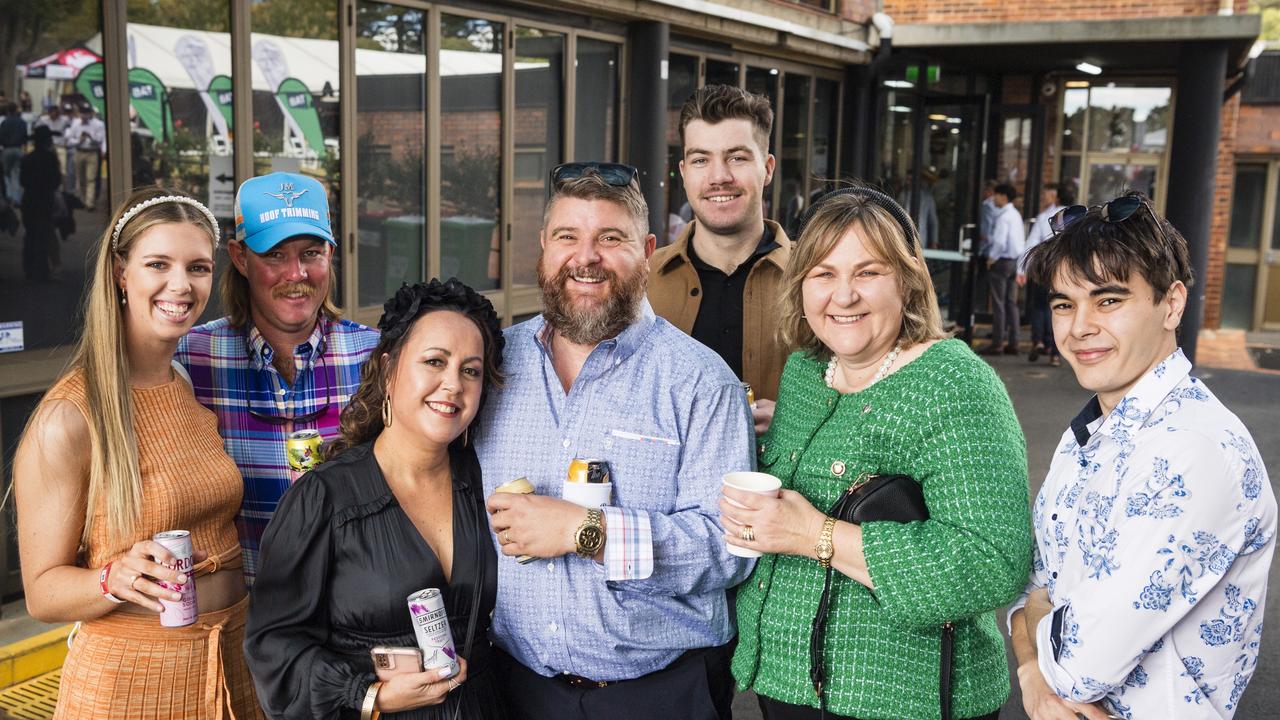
x=1047 y=398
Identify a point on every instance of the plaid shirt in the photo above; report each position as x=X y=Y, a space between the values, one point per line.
x=232 y=375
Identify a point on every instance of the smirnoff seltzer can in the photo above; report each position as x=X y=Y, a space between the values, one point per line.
x=431 y=626
x=304 y=450
x=178 y=613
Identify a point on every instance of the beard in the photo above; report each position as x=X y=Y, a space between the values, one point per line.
x=584 y=323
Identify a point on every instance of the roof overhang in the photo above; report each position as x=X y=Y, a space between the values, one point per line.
x=1127 y=46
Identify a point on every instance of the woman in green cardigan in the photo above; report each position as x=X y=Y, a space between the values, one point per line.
x=876 y=389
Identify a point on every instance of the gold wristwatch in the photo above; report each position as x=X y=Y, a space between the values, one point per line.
x=589 y=537
x=825 y=549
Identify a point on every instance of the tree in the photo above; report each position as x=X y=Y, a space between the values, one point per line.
x=35 y=28
x=1270 y=11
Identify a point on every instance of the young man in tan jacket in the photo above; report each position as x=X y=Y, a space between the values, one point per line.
x=720 y=281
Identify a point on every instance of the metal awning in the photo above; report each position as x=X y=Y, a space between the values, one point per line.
x=1135 y=45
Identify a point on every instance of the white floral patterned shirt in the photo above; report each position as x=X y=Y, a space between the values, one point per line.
x=1154 y=533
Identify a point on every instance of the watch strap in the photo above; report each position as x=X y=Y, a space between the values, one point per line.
x=825 y=549
x=595 y=518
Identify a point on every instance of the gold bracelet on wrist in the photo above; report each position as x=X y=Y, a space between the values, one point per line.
x=369 y=710
x=825 y=548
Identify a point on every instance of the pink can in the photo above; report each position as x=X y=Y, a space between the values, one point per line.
x=431 y=626
x=179 y=613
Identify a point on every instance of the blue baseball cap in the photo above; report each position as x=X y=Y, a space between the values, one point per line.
x=280 y=206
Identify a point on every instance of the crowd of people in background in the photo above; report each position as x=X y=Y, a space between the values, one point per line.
x=860 y=579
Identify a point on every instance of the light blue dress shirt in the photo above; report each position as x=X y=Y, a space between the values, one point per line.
x=670 y=418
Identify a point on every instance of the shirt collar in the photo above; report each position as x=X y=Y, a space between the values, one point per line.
x=1137 y=404
x=766 y=245
x=261 y=353
x=623 y=345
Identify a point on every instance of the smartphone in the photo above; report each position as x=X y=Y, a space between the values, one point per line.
x=389 y=661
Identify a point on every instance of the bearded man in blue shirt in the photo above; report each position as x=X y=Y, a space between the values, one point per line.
x=622 y=612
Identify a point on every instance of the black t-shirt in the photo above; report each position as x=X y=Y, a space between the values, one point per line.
x=719 y=321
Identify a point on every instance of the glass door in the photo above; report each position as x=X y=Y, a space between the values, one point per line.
x=944 y=199
x=1251 y=287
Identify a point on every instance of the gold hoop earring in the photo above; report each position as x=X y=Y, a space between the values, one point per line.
x=386 y=411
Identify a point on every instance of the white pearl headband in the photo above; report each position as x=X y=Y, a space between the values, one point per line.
x=183 y=199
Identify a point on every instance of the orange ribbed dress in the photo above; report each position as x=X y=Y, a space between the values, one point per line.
x=126 y=665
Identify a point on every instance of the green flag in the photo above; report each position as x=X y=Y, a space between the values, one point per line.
x=89 y=83
x=295 y=96
x=220 y=92
x=150 y=98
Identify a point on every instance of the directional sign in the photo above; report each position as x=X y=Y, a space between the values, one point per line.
x=222 y=187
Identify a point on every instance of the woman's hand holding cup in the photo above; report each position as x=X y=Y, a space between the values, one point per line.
x=759 y=517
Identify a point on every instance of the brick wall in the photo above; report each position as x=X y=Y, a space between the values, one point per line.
x=980 y=11
x=1224 y=182
x=1258 y=130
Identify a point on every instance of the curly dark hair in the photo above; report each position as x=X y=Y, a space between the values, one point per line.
x=362 y=418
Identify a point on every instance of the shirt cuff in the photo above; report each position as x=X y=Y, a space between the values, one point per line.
x=1048 y=649
x=628 y=549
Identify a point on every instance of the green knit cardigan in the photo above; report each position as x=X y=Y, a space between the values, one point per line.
x=945 y=420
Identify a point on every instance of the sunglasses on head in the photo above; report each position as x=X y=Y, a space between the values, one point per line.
x=615 y=174
x=1114 y=211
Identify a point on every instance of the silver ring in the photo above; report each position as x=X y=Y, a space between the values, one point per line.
x=747 y=533
x=454 y=684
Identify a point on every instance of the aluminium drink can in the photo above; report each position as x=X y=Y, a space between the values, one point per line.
x=751 y=394
x=431 y=627
x=178 y=613
x=304 y=451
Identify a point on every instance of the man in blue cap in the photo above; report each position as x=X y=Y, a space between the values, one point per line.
x=283 y=359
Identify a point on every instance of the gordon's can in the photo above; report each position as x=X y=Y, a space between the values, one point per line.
x=588 y=470
x=304 y=450
x=431 y=626
x=183 y=612
x=751 y=394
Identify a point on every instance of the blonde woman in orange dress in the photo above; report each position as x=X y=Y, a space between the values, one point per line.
x=119 y=450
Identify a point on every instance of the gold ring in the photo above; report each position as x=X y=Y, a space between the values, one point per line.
x=454 y=684
x=747 y=534
x=131 y=582
x=505 y=538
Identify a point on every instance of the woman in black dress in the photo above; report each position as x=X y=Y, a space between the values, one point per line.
x=397 y=508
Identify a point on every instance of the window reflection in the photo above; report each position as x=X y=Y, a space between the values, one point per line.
x=470 y=150
x=683 y=80
x=1128 y=119
x=1109 y=180
x=539 y=72
x=794 y=158
x=596 y=116
x=391 y=116
x=51 y=222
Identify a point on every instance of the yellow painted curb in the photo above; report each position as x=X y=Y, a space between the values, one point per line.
x=34 y=656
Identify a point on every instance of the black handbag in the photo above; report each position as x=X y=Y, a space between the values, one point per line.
x=871 y=498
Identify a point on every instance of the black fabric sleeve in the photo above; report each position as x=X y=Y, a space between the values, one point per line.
x=297 y=677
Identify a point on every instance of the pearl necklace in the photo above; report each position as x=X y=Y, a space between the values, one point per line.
x=830 y=375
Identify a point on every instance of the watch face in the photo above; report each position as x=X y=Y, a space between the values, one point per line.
x=590 y=538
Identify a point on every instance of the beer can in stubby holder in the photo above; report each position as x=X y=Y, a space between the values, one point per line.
x=751 y=394
x=588 y=470
x=304 y=450
x=179 y=613
x=431 y=627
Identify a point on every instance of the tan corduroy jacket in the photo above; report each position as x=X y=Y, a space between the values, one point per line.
x=676 y=294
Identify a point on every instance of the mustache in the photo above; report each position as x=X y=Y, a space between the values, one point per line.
x=304 y=289
x=585 y=272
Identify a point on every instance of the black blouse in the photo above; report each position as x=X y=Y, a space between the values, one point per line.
x=339 y=560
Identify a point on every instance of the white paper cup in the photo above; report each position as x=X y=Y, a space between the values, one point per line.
x=756 y=482
x=588 y=495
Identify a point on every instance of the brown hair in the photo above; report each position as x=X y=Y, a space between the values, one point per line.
x=883 y=236
x=716 y=103
x=1103 y=251
x=362 y=418
x=591 y=186
x=233 y=291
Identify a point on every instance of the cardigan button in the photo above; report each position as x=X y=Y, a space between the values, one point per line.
x=837 y=468
x=761 y=585
x=794 y=454
x=761 y=451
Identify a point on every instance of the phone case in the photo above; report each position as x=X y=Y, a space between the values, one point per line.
x=391 y=661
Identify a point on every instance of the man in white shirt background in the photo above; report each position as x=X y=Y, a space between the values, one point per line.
x=1052 y=198
x=1155 y=526
x=87 y=135
x=1003 y=252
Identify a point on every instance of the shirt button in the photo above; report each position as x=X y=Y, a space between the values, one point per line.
x=551 y=567
x=837 y=468
x=1054 y=516
x=1055 y=574
x=566 y=442
x=553 y=627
